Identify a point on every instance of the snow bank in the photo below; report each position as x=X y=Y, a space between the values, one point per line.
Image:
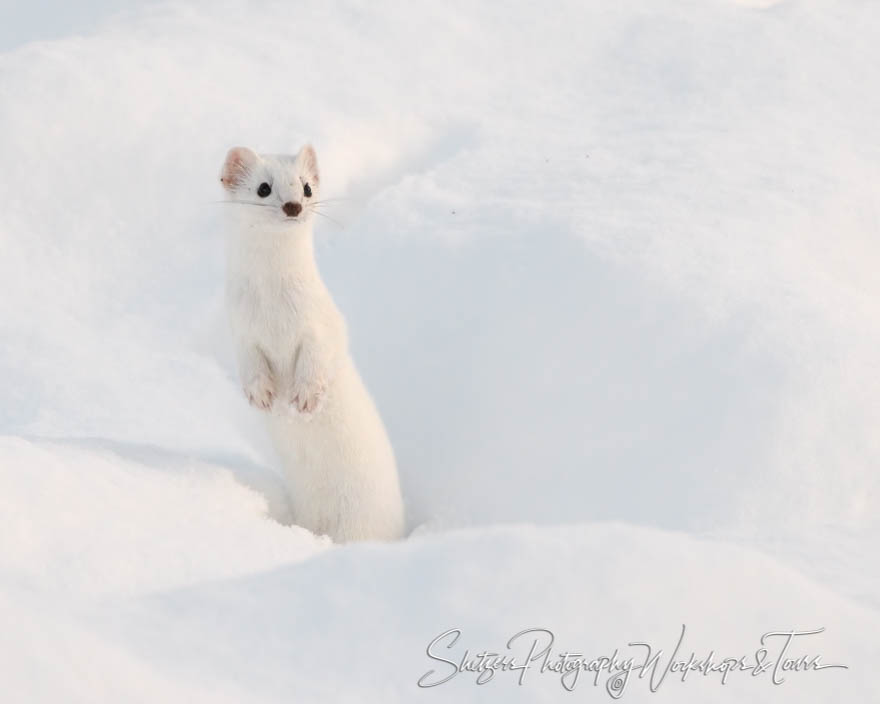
x=601 y=263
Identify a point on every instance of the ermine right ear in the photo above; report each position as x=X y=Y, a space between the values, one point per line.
x=308 y=161
x=238 y=164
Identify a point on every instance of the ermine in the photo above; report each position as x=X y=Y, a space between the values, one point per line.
x=292 y=348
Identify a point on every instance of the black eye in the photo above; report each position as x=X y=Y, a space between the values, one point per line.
x=307 y=191
x=264 y=190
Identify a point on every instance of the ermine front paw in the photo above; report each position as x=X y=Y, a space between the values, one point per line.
x=307 y=397
x=260 y=392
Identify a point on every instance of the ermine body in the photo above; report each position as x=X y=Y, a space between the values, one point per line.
x=292 y=349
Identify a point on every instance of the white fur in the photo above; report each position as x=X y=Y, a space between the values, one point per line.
x=294 y=363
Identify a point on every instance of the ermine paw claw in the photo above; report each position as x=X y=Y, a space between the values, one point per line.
x=308 y=399
x=260 y=392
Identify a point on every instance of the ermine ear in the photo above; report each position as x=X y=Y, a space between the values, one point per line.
x=238 y=164
x=308 y=164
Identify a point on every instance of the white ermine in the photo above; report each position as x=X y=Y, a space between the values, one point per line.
x=293 y=357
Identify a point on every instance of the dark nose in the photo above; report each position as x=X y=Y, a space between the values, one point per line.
x=292 y=209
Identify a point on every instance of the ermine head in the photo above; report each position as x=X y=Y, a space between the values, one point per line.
x=286 y=186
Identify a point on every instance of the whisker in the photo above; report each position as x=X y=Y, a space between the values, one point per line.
x=327 y=200
x=311 y=207
x=333 y=220
x=241 y=202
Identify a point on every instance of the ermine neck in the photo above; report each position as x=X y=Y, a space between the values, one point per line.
x=288 y=249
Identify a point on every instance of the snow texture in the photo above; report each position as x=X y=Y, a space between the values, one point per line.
x=609 y=270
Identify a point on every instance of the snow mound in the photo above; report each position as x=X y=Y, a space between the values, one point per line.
x=609 y=272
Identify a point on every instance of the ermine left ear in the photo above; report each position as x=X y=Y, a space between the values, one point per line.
x=238 y=164
x=308 y=163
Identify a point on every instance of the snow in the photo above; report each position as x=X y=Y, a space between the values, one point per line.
x=609 y=271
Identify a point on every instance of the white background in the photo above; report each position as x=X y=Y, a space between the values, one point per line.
x=609 y=270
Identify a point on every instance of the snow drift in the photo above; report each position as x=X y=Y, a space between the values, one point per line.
x=608 y=271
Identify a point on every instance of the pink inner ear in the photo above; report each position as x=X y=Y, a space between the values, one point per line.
x=236 y=167
x=309 y=163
